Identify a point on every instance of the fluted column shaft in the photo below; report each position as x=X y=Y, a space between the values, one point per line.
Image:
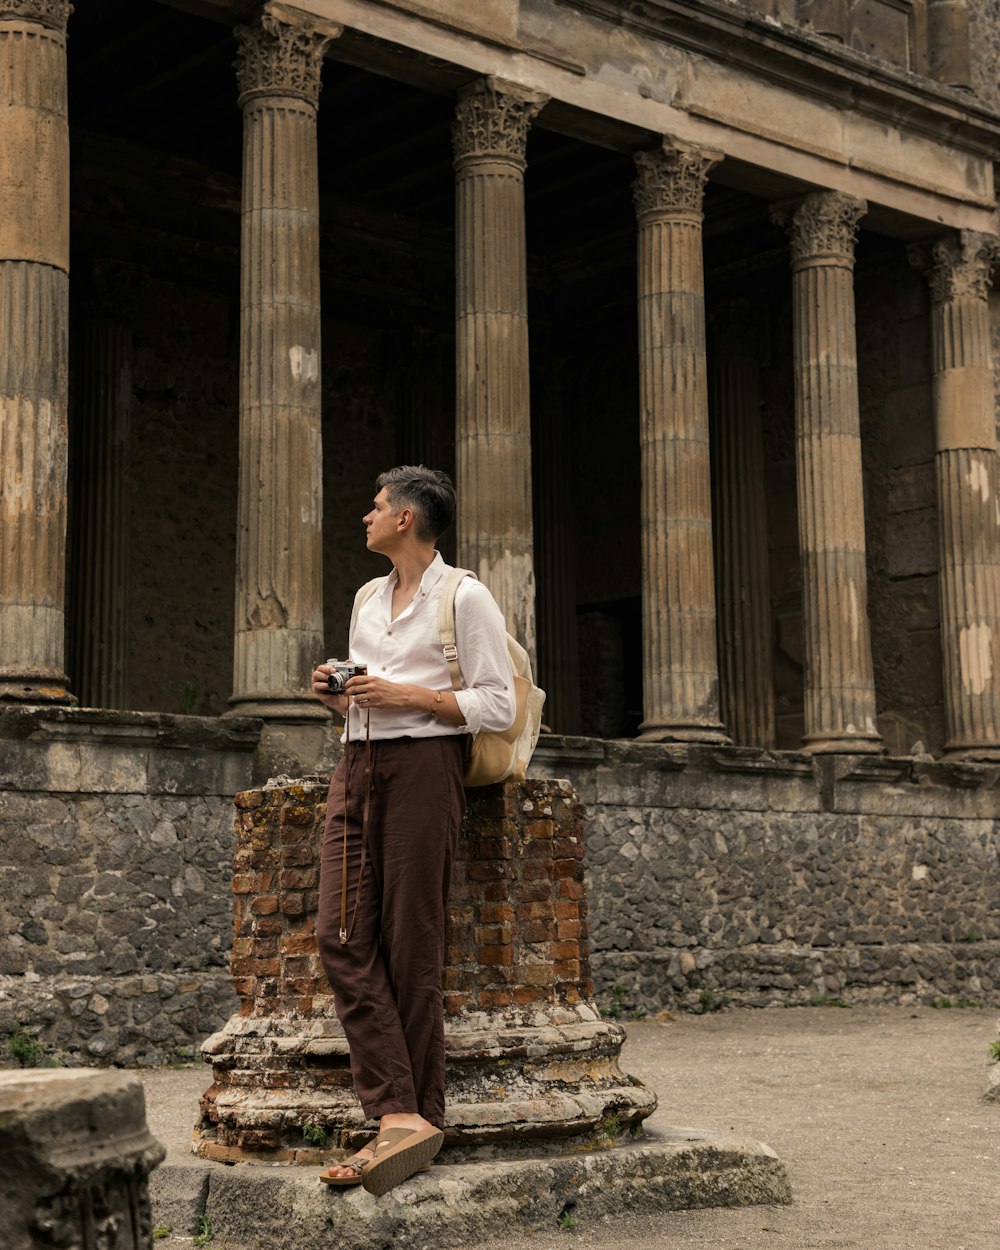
x=279 y=601
x=100 y=515
x=839 y=681
x=967 y=488
x=740 y=529
x=493 y=421
x=680 y=667
x=558 y=640
x=34 y=336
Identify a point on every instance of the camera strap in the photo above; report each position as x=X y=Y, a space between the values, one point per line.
x=346 y=932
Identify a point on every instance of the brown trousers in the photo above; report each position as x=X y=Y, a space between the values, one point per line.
x=387 y=979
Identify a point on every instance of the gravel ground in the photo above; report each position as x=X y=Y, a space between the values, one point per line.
x=876 y=1111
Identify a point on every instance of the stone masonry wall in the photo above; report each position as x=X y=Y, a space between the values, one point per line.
x=780 y=878
x=768 y=878
x=115 y=873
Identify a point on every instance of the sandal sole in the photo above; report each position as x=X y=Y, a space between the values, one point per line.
x=411 y=1155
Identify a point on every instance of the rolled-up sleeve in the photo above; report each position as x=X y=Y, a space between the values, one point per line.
x=487 y=700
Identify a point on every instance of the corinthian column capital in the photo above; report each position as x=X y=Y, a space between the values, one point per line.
x=958 y=265
x=283 y=55
x=51 y=13
x=492 y=120
x=822 y=226
x=672 y=179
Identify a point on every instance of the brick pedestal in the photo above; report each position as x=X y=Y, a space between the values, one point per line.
x=528 y=1055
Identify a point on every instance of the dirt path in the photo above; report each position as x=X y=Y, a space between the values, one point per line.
x=877 y=1113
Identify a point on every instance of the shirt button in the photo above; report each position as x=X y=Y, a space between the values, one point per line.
x=389 y=632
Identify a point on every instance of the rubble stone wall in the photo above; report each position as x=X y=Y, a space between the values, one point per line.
x=115 y=874
x=764 y=878
x=770 y=879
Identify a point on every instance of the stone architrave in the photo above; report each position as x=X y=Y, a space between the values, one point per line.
x=34 y=340
x=680 y=666
x=493 y=421
x=99 y=534
x=959 y=271
x=279 y=599
x=740 y=528
x=839 y=680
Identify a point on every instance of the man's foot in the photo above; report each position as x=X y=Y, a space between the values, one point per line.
x=349 y=1172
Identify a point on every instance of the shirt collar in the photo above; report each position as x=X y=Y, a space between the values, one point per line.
x=434 y=572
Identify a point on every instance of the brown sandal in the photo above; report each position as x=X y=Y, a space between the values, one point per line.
x=399 y=1153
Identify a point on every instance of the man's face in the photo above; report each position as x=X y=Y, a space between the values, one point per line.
x=381 y=525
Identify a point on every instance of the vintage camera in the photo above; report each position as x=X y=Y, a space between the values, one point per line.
x=342 y=671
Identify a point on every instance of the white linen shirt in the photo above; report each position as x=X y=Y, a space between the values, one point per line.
x=408 y=650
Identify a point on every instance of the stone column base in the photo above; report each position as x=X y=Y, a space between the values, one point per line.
x=509 y=1081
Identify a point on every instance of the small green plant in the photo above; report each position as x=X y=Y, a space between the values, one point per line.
x=190 y=695
x=568 y=1222
x=973 y=935
x=27 y=1050
x=611 y=1127
x=993 y=1050
x=639 y=1013
x=203 y=1231
x=942 y=1004
x=315 y=1134
x=161 y=1231
x=618 y=996
x=824 y=1001
x=708 y=1002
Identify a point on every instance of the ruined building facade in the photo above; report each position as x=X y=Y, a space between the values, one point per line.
x=696 y=302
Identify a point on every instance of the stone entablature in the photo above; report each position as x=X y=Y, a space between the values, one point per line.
x=775 y=97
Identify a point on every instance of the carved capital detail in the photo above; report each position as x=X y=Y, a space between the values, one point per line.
x=492 y=120
x=958 y=265
x=672 y=179
x=821 y=226
x=51 y=13
x=281 y=57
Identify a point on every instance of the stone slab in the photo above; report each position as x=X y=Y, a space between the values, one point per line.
x=286 y=1208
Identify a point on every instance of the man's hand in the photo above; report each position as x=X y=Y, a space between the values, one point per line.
x=321 y=689
x=369 y=691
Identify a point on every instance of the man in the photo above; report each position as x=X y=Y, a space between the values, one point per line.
x=406 y=721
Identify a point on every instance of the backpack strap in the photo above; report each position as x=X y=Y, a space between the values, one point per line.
x=360 y=599
x=446 y=623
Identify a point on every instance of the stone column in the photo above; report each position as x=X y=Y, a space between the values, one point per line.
x=34 y=336
x=740 y=528
x=948 y=50
x=279 y=599
x=75 y=1159
x=493 y=423
x=839 y=682
x=558 y=639
x=680 y=666
x=967 y=489
x=824 y=17
x=99 y=537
